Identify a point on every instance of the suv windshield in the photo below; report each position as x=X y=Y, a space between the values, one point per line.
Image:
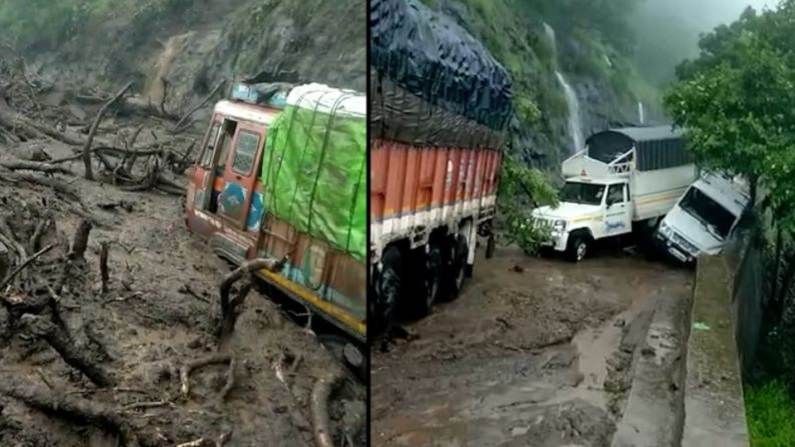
x=582 y=193
x=712 y=214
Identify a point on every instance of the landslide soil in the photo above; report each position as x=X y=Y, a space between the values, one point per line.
x=534 y=352
x=158 y=313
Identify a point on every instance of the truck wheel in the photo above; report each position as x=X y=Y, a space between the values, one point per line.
x=432 y=281
x=491 y=245
x=389 y=286
x=578 y=247
x=456 y=264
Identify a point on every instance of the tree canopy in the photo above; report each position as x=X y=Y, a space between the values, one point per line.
x=737 y=101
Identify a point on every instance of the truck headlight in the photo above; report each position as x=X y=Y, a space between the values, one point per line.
x=559 y=226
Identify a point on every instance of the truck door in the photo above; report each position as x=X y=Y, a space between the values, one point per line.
x=202 y=175
x=240 y=174
x=618 y=217
x=210 y=175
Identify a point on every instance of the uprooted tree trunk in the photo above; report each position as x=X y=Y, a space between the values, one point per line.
x=93 y=131
x=229 y=307
x=80 y=242
x=63 y=343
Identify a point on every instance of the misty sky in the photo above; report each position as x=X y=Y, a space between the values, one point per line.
x=668 y=30
x=703 y=14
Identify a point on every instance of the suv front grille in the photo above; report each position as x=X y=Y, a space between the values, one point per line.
x=684 y=243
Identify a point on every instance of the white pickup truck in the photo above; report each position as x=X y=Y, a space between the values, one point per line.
x=703 y=218
x=625 y=178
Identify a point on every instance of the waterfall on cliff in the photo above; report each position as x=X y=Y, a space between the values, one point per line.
x=553 y=40
x=575 y=120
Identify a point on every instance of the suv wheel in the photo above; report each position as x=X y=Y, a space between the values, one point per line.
x=577 y=248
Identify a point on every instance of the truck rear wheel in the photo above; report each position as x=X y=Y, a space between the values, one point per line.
x=431 y=284
x=577 y=248
x=490 y=246
x=389 y=285
x=455 y=267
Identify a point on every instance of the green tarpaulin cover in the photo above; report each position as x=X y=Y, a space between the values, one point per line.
x=314 y=167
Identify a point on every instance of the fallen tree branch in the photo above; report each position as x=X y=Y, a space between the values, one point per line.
x=8 y=238
x=87 y=146
x=146 y=405
x=177 y=127
x=17 y=123
x=9 y=176
x=25 y=165
x=20 y=267
x=41 y=227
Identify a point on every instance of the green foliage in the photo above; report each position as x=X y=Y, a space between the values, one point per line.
x=737 y=102
x=771 y=415
x=738 y=115
x=521 y=190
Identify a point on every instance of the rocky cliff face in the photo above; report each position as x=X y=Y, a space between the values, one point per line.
x=183 y=48
x=548 y=58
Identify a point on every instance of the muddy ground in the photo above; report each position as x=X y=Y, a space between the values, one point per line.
x=158 y=311
x=534 y=352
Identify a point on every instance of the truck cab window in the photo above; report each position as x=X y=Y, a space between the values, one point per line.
x=615 y=194
x=582 y=193
x=245 y=151
x=717 y=219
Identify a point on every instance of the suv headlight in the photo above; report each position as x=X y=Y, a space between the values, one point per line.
x=665 y=230
x=559 y=225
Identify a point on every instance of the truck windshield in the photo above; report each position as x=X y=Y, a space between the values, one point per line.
x=582 y=193
x=712 y=214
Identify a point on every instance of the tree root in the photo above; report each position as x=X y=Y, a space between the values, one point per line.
x=228 y=308
x=186 y=370
x=76 y=409
x=320 y=399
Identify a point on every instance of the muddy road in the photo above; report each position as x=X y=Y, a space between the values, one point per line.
x=534 y=352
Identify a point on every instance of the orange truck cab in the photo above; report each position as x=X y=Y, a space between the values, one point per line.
x=243 y=199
